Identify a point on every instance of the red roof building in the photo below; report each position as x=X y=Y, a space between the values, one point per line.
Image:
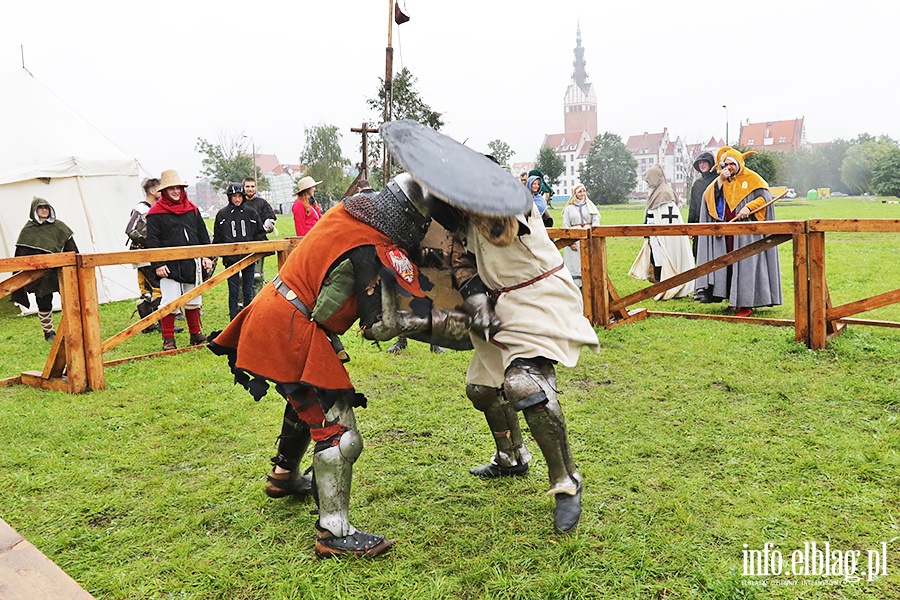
x=781 y=136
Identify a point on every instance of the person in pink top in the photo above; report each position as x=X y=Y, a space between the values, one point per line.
x=306 y=210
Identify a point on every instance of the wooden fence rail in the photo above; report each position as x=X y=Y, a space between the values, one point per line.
x=815 y=319
x=75 y=361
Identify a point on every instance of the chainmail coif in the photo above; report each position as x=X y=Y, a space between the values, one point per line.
x=393 y=216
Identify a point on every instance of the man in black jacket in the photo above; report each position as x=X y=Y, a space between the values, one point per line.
x=704 y=166
x=235 y=223
x=266 y=217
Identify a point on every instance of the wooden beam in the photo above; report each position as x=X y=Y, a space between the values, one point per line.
x=19 y=280
x=176 y=304
x=707 y=267
x=180 y=253
x=37 y=261
x=853 y=308
x=35 y=379
x=817 y=290
x=801 y=288
x=90 y=325
x=631 y=316
x=725 y=318
x=871 y=322
x=55 y=365
x=128 y=359
x=74 y=334
x=603 y=288
x=855 y=225
x=742 y=228
x=17 y=380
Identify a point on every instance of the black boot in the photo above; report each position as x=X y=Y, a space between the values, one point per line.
x=398 y=346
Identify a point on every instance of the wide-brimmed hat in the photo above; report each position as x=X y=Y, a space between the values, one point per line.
x=169 y=179
x=304 y=184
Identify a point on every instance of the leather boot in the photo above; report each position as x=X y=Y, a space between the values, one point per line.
x=169 y=344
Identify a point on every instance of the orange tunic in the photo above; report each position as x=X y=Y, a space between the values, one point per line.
x=276 y=341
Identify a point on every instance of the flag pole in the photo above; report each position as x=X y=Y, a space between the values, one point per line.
x=388 y=88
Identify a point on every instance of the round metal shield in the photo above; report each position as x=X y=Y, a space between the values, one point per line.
x=456 y=174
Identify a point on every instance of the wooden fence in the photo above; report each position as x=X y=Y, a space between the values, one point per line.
x=75 y=361
x=815 y=319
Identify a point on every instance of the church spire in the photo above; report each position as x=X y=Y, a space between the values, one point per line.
x=580 y=75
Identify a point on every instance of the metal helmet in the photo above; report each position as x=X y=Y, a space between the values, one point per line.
x=456 y=174
x=235 y=188
x=400 y=211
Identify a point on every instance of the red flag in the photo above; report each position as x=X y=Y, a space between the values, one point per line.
x=400 y=17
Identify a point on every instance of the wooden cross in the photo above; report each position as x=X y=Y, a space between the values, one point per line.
x=365 y=130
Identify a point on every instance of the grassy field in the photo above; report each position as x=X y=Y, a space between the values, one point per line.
x=697 y=441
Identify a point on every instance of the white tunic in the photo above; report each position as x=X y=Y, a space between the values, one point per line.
x=545 y=318
x=575 y=215
x=671 y=253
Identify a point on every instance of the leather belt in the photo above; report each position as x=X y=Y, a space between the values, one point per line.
x=494 y=294
x=291 y=296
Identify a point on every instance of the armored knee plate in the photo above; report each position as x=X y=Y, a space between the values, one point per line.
x=530 y=386
x=504 y=424
x=333 y=469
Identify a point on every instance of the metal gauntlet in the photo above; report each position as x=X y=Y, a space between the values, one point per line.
x=439 y=322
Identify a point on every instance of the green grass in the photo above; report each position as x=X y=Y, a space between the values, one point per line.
x=694 y=438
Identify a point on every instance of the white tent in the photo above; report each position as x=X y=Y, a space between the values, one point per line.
x=48 y=150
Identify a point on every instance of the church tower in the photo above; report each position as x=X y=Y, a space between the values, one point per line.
x=580 y=104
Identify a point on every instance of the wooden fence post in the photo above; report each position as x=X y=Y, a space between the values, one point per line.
x=74 y=336
x=801 y=287
x=90 y=322
x=600 y=273
x=587 y=277
x=818 y=336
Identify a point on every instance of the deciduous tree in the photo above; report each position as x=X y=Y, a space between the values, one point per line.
x=886 y=174
x=856 y=170
x=227 y=160
x=324 y=159
x=406 y=103
x=501 y=151
x=610 y=171
x=551 y=165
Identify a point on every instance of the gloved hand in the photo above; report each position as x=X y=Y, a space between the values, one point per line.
x=481 y=308
x=269 y=225
x=452 y=324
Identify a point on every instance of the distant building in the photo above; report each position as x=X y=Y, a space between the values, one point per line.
x=281 y=178
x=674 y=156
x=780 y=136
x=206 y=197
x=648 y=149
x=580 y=122
x=518 y=168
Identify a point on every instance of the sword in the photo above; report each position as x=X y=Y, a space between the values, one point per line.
x=764 y=206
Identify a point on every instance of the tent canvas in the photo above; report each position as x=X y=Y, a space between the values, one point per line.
x=48 y=150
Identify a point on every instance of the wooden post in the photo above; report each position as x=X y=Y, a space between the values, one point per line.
x=817 y=290
x=365 y=130
x=801 y=288
x=587 y=277
x=90 y=323
x=74 y=334
x=600 y=273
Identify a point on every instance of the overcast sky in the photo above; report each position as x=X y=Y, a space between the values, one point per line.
x=155 y=76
